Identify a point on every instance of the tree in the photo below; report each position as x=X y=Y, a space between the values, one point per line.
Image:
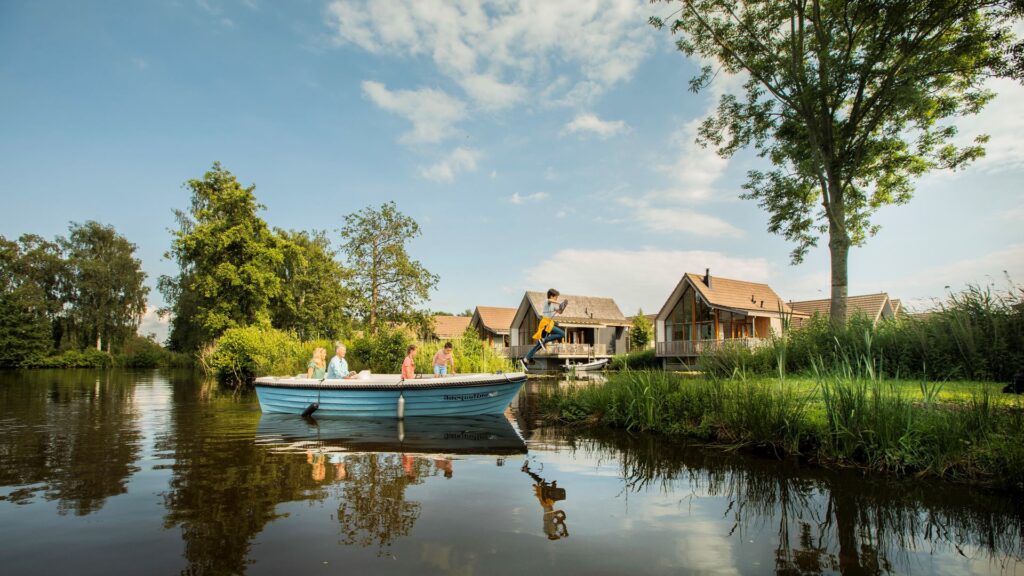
x=314 y=300
x=641 y=332
x=37 y=271
x=847 y=99
x=386 y=284
x=229 y=261
x=108 y=297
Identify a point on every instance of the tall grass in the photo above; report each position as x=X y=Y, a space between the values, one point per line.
x=852 y=415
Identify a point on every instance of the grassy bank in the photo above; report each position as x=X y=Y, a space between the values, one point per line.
x=846 y=416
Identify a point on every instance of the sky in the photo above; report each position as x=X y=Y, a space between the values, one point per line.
x=538 y=144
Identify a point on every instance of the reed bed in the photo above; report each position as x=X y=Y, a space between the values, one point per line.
x=847 y=413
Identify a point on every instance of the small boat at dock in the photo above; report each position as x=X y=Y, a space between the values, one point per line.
x=587 y=366
x=390 y=396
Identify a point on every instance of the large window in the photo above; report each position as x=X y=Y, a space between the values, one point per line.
x=686 y=323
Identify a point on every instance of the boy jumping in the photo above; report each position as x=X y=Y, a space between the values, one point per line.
x=554 y=333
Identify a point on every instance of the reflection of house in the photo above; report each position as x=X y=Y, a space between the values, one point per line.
x=705 y=313
x=875 y=307
x=594 y=328
x=448 y=327
x=492 y=323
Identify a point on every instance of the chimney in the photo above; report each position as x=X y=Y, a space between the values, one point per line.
x=707 y=277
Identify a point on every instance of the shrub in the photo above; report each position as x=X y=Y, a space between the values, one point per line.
x=241 y=354
x=88 y=358
x=638 y=360
x=381 y=352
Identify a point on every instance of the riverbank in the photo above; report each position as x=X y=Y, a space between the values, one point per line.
x=846 y=417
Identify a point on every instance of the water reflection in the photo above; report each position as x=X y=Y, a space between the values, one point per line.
x=824 y=521
x=547 y=494
x=74 y=440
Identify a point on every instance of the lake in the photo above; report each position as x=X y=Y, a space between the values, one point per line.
x=161 y=472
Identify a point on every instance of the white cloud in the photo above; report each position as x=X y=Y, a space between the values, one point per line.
x=636 y=278
x=501 y=51
x=153 y=323
x=517 y=198
x=681 y=220
x=460 y=160
x=922 y=287
x=693 y=173
x=432 y=112
x=585 y=124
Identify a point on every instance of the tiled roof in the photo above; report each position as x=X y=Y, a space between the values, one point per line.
x=450 y=326
x=497 y=320
x=897 y=307
x=582 y=309
x=738 y=294
x=870 y=305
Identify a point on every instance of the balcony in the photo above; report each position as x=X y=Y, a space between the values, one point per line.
x=557 y=350
x=683 y=348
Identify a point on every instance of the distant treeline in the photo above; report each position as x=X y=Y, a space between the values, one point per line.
x=77 y=292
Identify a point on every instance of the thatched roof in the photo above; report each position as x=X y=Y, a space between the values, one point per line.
x=582 y=309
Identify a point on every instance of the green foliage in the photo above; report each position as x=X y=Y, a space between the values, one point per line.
x=242 y=354
x=850 y=101
x=471 y=354
x=641 y=333
x=848 y=415
x=24 y=332
x=382 y=352
x=229 y=262
x=636 y=360
x=107 y=294
x=386 y=284
x=314 y=299
x=87 y=358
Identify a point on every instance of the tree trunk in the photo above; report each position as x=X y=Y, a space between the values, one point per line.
x=839 y=250
x=99 y=342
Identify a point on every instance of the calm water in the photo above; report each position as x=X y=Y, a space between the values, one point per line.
x=159 y=473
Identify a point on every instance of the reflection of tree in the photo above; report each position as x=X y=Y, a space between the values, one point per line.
x=224 y=487
x=825 y=521
x=374 y=509
x=75 y=434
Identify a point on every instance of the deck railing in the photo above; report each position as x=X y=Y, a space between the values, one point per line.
x=697 y=347
x=558 y=350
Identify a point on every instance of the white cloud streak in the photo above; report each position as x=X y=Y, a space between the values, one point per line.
x=432 y=112
x=517 y=198
x=501 y=51
x=679 y=220
x=460 y=160
x=590 y=124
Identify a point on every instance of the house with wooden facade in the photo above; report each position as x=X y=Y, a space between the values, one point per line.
x=706 y=313
x=494 y=325
x=876 y=307
x=594 y=328
x=450 y=327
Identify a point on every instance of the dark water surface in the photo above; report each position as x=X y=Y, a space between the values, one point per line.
x=152 y=472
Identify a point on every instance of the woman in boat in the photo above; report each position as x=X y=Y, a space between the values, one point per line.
x=317 y=367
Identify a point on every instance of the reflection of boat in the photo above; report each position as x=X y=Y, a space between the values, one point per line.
x=388 y=395
x=424 y=435
x=585 y=366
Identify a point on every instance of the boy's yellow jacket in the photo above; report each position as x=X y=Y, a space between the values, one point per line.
x=545 y=326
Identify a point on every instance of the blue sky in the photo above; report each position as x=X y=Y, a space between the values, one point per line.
x=537 y=143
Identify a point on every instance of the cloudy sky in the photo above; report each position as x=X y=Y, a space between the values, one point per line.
x=537 y=143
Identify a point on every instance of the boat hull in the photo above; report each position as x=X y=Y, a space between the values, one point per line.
x=378 y=397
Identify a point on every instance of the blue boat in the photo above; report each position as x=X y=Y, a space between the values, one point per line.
x=481 y=435
x=389 y=396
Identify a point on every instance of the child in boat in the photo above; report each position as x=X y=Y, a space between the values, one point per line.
x=442 y=359
x=551 y=307
x=409 y=364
